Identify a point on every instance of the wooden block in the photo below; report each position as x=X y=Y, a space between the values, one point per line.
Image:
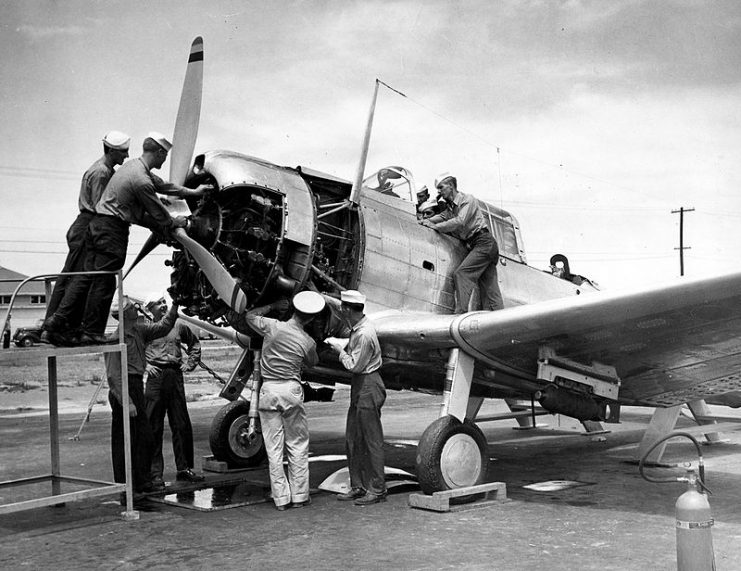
x=440 y=501
x=211 y=464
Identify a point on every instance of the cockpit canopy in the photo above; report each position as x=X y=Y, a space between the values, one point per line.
x=392 y=181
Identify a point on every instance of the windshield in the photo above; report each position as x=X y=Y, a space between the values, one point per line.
x=392 y=181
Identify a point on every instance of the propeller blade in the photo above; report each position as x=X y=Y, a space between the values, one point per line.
x=184 y=139
x=226 y=333
x=189 y=113
x=225 y=285
x=151 y=243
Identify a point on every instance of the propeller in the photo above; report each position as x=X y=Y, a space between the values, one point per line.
x=184 y=141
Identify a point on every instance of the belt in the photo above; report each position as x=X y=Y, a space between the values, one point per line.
x=478 y=233
x=166 y=365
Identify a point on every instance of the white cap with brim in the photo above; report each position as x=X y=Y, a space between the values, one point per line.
x=308 y=302
x=117 y=140
x=160 y=139
x=441 y=177
x=352 y=296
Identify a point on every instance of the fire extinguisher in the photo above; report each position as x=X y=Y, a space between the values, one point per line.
x=694 y=518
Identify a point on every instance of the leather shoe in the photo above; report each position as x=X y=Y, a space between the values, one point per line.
x=94 y=339
x=54 y=323
x=301 y=504
x=189 y=476
x=369 y=499
x=353 y=494
x=282 y=508
x=59 y=339
x=158 y=485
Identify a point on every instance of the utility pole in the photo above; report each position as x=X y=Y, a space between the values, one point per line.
x=682 y=248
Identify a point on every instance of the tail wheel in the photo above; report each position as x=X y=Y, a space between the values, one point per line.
x=451 y=454
x=228 y=437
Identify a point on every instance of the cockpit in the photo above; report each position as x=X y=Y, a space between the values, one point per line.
x=392 y=181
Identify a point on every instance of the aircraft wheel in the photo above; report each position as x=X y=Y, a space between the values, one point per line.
x=451 y=455
x=228 y=437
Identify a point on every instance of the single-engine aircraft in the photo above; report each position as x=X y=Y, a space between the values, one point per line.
x=269 y=231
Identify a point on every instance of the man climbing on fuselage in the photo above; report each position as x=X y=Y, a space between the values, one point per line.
x=463 y=219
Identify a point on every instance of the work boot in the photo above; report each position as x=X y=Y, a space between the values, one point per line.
x=369 y=499
x=353 y=494
x=189 y=476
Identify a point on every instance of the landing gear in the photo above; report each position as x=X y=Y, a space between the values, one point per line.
x=451 y=454
x=228 y=438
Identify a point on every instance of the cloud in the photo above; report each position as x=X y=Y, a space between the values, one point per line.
x=36 y=33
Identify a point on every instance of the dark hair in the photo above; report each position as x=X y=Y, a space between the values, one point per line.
x=354 y=306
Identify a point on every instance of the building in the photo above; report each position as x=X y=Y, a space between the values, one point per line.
x=30 y=303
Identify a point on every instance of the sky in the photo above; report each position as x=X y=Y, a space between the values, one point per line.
x=590 y=121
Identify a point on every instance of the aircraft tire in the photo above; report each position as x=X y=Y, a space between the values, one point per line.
x=451 y=454
x=230 y=422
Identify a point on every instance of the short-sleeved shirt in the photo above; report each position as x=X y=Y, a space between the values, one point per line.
x=131 y=196
x=362 y=355
x=136 y=339
x=462 y=218
x=166 y=350
x=93 y=184
x=285 y=349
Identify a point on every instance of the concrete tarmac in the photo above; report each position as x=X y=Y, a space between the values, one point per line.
x=613 y=520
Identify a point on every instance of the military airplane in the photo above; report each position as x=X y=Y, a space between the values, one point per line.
x=268 y=231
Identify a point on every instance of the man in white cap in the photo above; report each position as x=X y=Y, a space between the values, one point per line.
x=130 y=198
x=63 y=312
x=364 y=431
x=137 y=333
x=464 y=220
x=165 y=393
x=286 y=349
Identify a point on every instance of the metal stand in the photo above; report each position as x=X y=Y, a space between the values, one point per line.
x=98 y=487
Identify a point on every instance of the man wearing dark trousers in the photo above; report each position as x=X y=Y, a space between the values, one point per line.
x=137 y=333
x=165 y=394
x=463 y=219
x=64 y=314
x=129 y=198
x=364 y=432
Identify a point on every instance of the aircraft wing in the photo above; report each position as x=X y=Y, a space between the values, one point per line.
x=669 y=344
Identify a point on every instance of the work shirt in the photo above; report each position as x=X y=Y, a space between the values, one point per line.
x=131 y=196
x=462 y=218
x=136 y=338
x=362 y=355
x=167 y=350
x=93 y=184
x=285 y=349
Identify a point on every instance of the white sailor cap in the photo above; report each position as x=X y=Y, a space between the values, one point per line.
x=117 y=140
x=352 y=296
x=428 y=205
x=441 y=177
x=154 y=298
x=160 y=139
x=308 y=302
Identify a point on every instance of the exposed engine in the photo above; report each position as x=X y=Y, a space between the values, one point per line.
x=241 y=226
x=276 y=231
